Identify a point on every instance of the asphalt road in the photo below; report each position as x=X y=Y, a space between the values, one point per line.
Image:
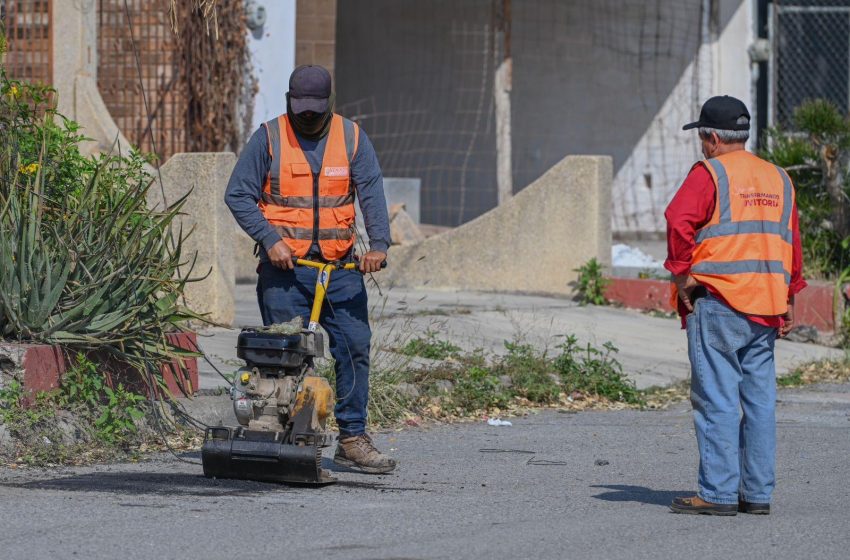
x=588 y=485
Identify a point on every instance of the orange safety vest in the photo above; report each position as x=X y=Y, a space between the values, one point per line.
x=744 y=252
x=302 y=208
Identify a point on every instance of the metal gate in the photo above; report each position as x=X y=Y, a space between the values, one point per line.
x=26 y=24
x=118 y=75
x=809 y=56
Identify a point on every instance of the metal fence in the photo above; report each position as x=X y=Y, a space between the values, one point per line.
x=587 y=77
x=118 y=75
x=810 y=56
x=26 y=24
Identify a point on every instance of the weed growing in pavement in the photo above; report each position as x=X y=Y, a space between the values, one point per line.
x=478 y=388
x=111 y=412
x=430 y=347
x=591 y=283
x=596 y=371
x=523 y=376
x=84 y=417
x=532 y=374
x=793 y=379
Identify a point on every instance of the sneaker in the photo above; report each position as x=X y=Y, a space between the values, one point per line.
x=359 y=452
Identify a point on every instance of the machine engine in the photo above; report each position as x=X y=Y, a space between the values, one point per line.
x=281 y=407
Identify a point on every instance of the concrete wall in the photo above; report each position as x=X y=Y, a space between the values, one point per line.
x=418 y=77
x=75 y=74
x=662 y=156
x=209 y=220
x=273 y=55
x=530 y=244
x=315 y=33
x=243 y=257
x=589 y=76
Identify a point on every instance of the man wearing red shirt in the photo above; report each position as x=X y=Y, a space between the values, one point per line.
x=734 y=250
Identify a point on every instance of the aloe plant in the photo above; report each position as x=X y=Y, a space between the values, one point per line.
x=83 y=261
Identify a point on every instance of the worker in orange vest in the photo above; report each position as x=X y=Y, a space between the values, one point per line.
x=293 y=191
x=735 y=255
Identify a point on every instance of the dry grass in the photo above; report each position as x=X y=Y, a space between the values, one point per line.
x=819 y=371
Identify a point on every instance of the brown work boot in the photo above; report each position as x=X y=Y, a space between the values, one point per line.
x=696 y=505
x=753 y=507
x=359 y=452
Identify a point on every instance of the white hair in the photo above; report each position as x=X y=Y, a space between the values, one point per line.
x=726 y=136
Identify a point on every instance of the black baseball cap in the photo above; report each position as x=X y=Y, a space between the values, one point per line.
x=309 y=89
x=723 y=113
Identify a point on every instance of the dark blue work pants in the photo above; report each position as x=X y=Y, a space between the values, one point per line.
x=284 y=294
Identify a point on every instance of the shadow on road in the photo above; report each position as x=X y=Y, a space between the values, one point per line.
x=625 y=493
x=191 y=484
x=152 y=483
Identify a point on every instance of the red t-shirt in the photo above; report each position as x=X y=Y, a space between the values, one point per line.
x=690 y=209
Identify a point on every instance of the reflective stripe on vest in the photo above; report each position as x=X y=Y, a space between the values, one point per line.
x=307 y=233
x=307 y=201
x=742 y=267
x=288 y=200
x=744 y=252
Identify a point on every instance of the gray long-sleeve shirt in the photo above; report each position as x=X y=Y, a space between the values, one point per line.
x=245 y=189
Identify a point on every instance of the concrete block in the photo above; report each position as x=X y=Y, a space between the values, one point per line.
x=532 y=243
x=7 y=444
x=244 y=259
x=74 y=42
x=211 y=226
x=407 y=191
x=403 y=230
x=397 y=190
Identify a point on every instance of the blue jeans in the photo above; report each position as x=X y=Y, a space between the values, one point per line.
x=284 y=294
x=732 y=370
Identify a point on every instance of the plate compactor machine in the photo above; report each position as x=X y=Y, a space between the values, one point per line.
x=280 y=403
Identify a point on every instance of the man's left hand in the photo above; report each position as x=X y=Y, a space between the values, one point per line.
x=372 y=261
x=788 y=321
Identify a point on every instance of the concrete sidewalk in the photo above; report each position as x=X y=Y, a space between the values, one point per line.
x=652 y=350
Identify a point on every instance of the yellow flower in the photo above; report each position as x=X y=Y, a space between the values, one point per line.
x=28 y=169
x=13 y=92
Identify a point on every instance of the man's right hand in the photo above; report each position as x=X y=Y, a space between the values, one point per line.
x=685 y=284
x=280 y=255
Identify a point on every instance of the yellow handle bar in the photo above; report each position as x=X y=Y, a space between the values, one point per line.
x=324 y=265
x=322 y=281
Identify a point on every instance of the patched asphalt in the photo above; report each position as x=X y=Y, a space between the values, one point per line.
x=553 y=485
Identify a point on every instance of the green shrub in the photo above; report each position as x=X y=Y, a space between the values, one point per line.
x=591 y=283
x=429 y=347
x=595 y=371
x=83 y=261
x=478 y=388
x=113 y=412
x=531 y=373
x=816 y=154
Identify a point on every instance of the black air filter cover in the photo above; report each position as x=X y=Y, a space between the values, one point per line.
x=260 y=348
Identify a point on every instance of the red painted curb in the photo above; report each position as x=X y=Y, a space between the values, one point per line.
x=813 y=305
x=643 y=294
x=44 y=364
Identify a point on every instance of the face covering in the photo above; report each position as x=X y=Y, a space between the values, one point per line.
x=312 y=127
